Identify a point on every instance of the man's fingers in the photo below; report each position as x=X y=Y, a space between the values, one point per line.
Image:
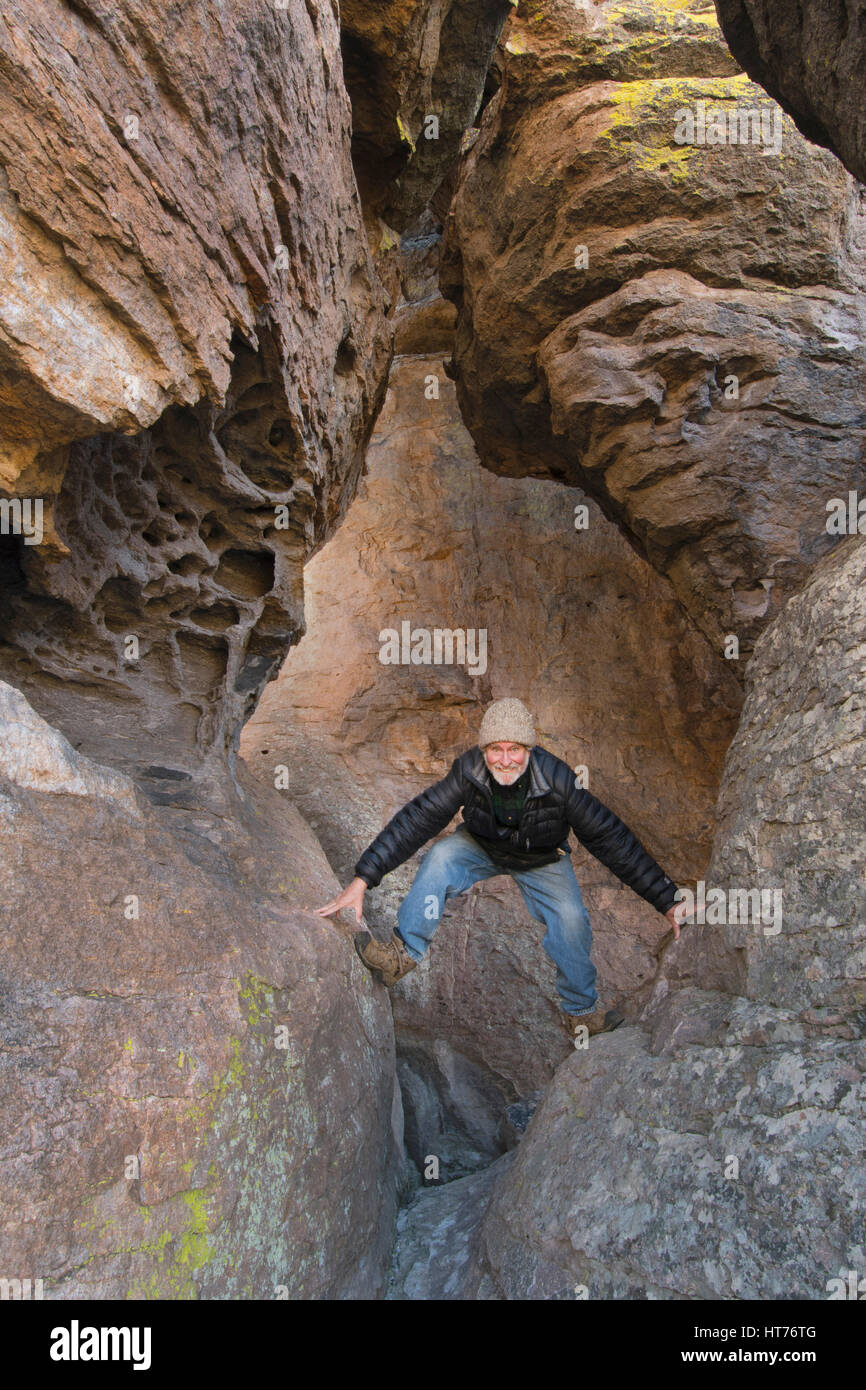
x=327 y=909
x=338 y=904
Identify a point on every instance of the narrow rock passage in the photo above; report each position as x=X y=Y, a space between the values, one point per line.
x=436 y=1247
x=437 y=1237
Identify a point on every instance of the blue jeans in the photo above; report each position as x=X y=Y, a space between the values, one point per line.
x=551 y=894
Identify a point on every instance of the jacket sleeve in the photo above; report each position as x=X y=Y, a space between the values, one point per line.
x=611 y=841
x=418 y=821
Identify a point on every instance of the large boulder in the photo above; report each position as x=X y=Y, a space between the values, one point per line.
x=191 y=339
x=792 y=812
x=669 y=317
x=724 y=1159
x=197 y=1075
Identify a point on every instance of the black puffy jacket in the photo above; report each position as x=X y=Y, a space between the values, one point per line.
x=554 y=805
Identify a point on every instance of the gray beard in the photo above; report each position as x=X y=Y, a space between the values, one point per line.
x=509 y=780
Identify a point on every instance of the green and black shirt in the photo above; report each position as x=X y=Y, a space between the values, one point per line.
x=508 y=808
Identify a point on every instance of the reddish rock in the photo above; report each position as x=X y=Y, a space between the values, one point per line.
x=644 y=704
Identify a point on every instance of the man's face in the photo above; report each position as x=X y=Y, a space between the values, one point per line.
x=507 y=761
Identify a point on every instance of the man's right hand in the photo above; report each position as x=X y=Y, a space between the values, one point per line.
x=353 y=896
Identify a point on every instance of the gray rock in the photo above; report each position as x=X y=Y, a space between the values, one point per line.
x=733 y=1170
x=197 y=1076
x=436 y=1239
x=792 y=809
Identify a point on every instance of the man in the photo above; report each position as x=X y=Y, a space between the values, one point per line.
x=519 y=803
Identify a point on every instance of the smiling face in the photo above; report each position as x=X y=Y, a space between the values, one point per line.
x=506 y=761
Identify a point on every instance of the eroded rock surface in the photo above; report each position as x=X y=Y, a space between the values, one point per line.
x=792 y=810
x=198 y=1100
x=728 y=1164
x=406 y=61
x=677 y=327
x=191 y=337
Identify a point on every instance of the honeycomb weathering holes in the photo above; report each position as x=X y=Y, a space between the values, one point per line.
x=248 y=574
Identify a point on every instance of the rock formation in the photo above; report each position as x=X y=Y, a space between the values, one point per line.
x=659 y=300
x=792 y=809
x=195 y=1070
x=416 y=75
x=810 y=57
x=217 y=224
x=193 y=352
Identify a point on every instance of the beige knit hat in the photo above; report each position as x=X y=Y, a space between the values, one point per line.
x=507 y=721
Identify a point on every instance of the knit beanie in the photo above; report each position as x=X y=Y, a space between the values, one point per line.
x=507 y=721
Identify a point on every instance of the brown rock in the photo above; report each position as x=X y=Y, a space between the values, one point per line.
x=720 y=1154
x=646 y=706
x=183 y=250
x=404 y=62
x=615 y=287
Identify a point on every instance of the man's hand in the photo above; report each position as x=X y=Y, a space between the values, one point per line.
x=353 y=896
x=675 y=915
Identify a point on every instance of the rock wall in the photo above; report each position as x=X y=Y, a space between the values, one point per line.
x=193 y=349
x=676 y=326
x=647 y=709
x=792 y=810
x=199 y=1081
x=406 y=61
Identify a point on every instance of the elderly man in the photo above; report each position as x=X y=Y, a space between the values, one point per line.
x=519 y=804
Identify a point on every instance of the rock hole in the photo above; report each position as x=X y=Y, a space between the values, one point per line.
x=215 y=618
x=185 y=566
x=346 y=358
x=246 y=573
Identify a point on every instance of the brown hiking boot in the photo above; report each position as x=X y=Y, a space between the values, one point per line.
x=387 y=961
x=599 y=1021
